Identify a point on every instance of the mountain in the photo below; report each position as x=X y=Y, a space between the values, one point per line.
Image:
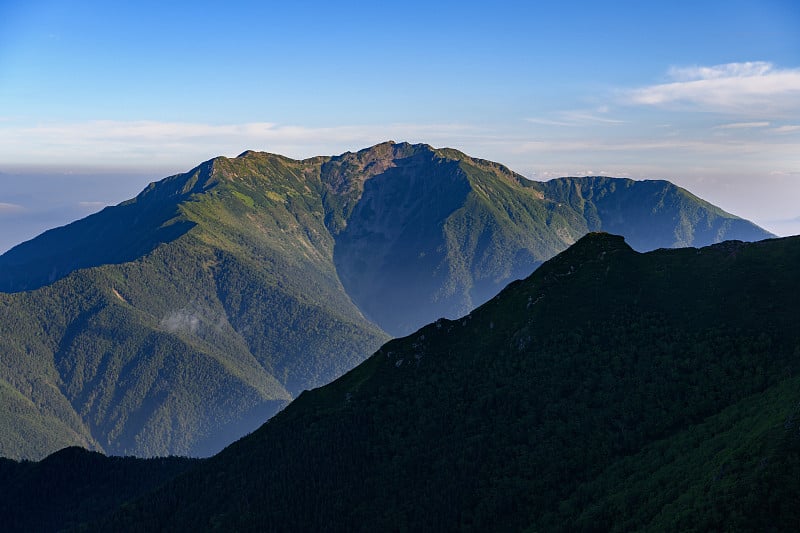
x=610 y=390
x=73 y=486
x=230 y=308
x=179 y=320
x=440 y=228
x=409 y=222
x=651 y=214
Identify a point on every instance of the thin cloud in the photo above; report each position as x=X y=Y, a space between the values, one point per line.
x=787 y=128
x=10 y=208
x=701 y=146
x=158 y=143
x=548 y=122
x=742 y=125
x=583 y=117
x=727 y=70
x=577 y=118
x=747 y=88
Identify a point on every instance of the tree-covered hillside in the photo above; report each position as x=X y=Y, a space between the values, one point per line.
x=73 y=486
x=196 y=342
x=651 y=213
x=610 y=390
x=178 y=321
x=423 y=233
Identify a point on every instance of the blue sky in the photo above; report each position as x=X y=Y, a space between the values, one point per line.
x=97 y=99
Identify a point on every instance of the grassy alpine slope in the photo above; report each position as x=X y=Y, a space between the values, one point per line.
x=181 y=319
x=201 y=339
x=609 y=390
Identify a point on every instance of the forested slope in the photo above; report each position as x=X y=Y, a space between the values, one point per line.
x=180 y=320
x=609 y=390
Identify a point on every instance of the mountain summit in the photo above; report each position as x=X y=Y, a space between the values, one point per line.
x=178 y=320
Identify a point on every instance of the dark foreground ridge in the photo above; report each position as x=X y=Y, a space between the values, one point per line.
x=74 y=486
x=610 y=390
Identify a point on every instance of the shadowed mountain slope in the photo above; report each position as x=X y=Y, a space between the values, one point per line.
x=424 y=233
x=609 y=390
x=73 y=486
x=651 y=213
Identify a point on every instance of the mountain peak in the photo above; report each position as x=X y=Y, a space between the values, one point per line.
x=596 y=244
x=346 y=173
x=71 y=454
x=592 y=248
x=602 y=241
x=396 y=150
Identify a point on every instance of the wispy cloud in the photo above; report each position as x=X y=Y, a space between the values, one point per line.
x=577 y=118
x=10 y=208
x=752 y=88
x=631 y=145
x=787 y=128
x=181 y=321
x=742 y=125
x=548 y=122
x=587 y=117
x=727 y=70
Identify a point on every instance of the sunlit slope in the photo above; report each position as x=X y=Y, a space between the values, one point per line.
x=194 y=343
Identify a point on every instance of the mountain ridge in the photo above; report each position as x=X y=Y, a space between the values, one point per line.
x=264 y=276
x=668 y=400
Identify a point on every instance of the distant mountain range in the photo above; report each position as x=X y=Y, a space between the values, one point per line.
x=610 y=390
x=179 y=320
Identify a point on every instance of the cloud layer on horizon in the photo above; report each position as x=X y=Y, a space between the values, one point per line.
x=728 y=132
x=155 y=144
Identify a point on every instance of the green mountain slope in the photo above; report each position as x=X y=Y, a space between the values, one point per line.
x=409 y=222
x=651 y=214
x=196 y=342
x=428 y=233
x=609 y=390
x=114 y=235
x=181 y=319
